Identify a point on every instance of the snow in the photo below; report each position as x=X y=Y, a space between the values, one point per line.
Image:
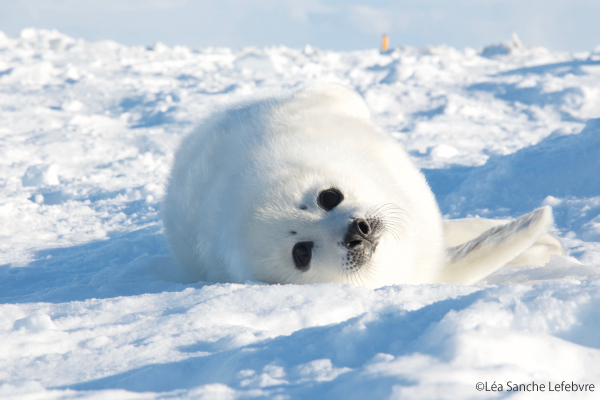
x=93 y=306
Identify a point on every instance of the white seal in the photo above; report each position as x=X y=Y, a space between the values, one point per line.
x=306 y=189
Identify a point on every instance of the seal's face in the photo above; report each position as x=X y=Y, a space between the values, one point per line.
x=360 y=240
x=323 y=230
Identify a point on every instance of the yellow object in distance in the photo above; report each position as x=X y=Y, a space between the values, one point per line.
x=385 y=42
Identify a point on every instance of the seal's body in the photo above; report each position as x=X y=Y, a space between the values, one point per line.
x=306 y=189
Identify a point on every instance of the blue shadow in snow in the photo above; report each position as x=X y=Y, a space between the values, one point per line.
x=225 y=90
x=560 y=166
x=447 y=180
x=154 y=118
x=396 y=332
x=430 y=113
x=53 y=196
x=526 y=95
x=122 y=265
x=530 y=96
x=150 y=114
x=557 y=69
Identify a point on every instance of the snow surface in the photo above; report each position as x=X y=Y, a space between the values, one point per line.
x=92 y=305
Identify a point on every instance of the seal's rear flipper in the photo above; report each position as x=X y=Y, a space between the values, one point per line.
x=494 y=248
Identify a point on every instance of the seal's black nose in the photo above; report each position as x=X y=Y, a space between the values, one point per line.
x=359 y=234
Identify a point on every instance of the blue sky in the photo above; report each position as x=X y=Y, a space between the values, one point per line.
x=328 y=24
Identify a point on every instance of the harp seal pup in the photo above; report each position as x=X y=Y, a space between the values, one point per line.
x=306 y=189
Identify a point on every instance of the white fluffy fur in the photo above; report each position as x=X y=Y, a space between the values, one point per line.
x=239 y=180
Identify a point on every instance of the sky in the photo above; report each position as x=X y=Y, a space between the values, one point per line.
x=327 y=24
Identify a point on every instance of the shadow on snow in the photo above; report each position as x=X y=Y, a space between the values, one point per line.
x=559 y=69
x=351 y=344
x=124 y=265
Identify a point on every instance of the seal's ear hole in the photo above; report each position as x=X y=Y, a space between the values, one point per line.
x=328 y=199
x=302 y=253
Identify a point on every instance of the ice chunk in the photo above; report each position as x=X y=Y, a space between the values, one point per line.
x=40 y=175
x=4 y=40
x=502 y=48
x=309 y=50
x=255 y=62
x=74 y=105
x=36 y=323
x=29 y=34
x=160 y=47
x=443 y=151
x=57 y=44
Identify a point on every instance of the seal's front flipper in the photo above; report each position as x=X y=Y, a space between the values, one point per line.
x=471 y=261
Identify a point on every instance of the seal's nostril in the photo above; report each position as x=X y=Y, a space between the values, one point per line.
x=354 y=244
x=364 y=227
x=359 y=235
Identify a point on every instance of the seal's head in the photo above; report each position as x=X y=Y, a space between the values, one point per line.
x=301 y=190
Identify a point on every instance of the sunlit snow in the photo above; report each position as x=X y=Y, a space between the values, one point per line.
x=93 y=306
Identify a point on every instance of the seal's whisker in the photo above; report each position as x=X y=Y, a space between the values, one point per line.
x=388 y=217
x=394 y=233
x=397 y=229
x=368 y=272
x=359 y=276
x=354 y=280
x=383 y=219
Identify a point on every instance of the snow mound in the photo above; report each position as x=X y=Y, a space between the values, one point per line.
x=558 y=166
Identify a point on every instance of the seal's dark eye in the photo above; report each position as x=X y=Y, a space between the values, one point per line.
x=302 y=253
x=330 y=198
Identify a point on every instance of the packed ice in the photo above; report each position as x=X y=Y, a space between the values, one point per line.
x=93 y=305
